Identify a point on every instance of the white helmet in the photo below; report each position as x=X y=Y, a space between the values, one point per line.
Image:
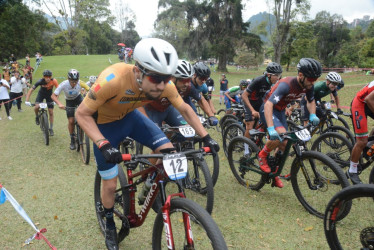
x=156 y=55
x=92 y=79
x=184 y=70
x=334 y=77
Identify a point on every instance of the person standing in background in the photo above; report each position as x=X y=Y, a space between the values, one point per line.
x=4 y=96
x=223 y=88
x=16 y=86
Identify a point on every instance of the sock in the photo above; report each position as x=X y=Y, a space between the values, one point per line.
x=246 y=150
x=51 y=125
x=264 y=152
x=353 y=167
x=108 y=212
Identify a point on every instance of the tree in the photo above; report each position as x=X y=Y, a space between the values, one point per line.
x=284 y=13
x=70 y=15
x=218 y=21
x=370 y=30
x=20 y=37
x=125 y=16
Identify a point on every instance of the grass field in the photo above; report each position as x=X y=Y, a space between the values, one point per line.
x=56 y=188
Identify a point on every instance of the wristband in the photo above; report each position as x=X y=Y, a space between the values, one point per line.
x=102 y=143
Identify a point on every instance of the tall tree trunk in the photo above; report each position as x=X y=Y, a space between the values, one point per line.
x=222 y=62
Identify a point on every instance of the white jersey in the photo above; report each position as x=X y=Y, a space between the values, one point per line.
x=70 y=93
x=17 y=84
x=4 y=95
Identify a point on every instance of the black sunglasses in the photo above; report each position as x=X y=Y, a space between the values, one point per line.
x=156 y=78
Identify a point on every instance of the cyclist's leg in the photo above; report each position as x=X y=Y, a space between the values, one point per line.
x=49 y=101
x=359 y=120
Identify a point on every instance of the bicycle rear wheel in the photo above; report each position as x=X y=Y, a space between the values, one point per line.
x=45 y=127
x=206 y=234
x=121 y=205
x=242 y=156
x=84 y=145
x=356 y=230
x=335 y=146
x=231 y=131
x=318 y=181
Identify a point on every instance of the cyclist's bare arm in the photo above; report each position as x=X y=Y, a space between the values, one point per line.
x=205 y=106
x=337 y=101
x=191 y=118
x=29 y=94
x=311 y=106
x=56 y=100
x=211 y=105
x=84 y=117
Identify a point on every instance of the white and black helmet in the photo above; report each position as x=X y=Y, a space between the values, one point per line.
x=334 y=77
x=73 y=74
x=156 y=55
x=92 y=79
x=184 y=70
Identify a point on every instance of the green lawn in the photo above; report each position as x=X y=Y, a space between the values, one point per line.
x=56 y=188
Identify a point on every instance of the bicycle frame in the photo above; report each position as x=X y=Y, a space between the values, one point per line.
x=298 y=146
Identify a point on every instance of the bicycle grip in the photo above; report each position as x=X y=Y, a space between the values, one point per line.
x=206 y=149
x=126 y=157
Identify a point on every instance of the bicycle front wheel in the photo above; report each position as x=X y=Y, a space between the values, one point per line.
x=356 y=230
x=206 y=234
x=242 y=155
x=45 y=127
x=335 y=146
x=121 y=205
x=318 y=181
x=84 y=145
x=231 y=131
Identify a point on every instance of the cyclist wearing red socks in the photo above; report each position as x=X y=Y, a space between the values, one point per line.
x=272 y=111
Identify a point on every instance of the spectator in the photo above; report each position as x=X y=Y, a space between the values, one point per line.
x=12 y=59
x=16 y=85
x=210 y=83
x=6 y=74
x=223 y=88
x=27 y=59
x=4 y=96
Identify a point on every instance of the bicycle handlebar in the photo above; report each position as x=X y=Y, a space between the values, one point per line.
x=129 y=157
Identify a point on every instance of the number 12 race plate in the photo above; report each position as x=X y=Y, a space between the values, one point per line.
x=175 y=166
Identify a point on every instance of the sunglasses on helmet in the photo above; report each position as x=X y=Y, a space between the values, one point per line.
x=312 y=79
x=184 y=80
x=203 y=79
x=156 y=78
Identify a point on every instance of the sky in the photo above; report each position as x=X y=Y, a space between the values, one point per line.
x=146 y=10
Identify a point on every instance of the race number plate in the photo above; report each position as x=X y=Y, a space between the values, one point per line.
x=328 y=105
x=303 y=135
x=187 y=131
x=334 y=115
x=43 y=105
x=202 y=119
x=175 y=166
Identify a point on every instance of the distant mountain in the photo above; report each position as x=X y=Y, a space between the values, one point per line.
x=59 y=19
x=259 y=18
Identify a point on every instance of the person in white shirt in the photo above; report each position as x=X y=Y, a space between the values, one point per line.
x=17 y=84
x=72 y=90
x=4 y=96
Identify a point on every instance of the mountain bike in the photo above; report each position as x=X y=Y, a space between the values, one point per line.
x=43 y=120
x=329 y=122
x=319 y=179
x=82 y=141
x=356 y=230
x=198 y=185
x=179 y=217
